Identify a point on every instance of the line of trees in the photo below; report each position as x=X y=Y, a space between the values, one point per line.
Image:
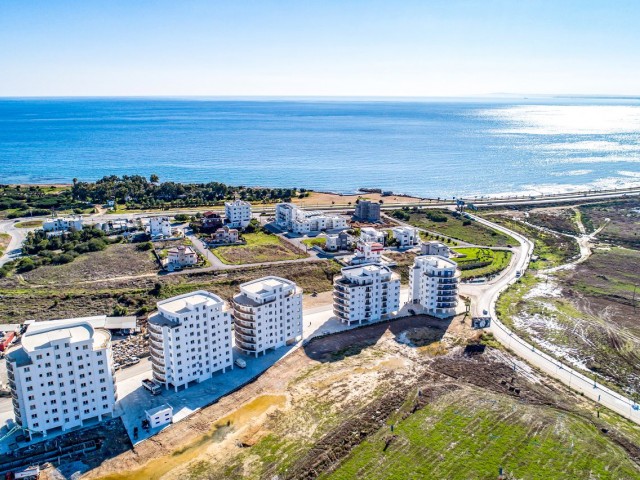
x=137 y=192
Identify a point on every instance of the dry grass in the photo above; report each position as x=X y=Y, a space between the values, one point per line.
x=318 y=199
x=5 y=238
x=118 y=260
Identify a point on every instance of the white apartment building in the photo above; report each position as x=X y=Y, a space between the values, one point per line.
x=369 y=234
x=190 y=339
x=238 y=213
x=63 y=224
x=160 y=226
x=433 y=285
x=267 y=314
x=367 y=252
x=435 y=248
x=182 y=256
x=406 y=236
x=366 y=293
x=61 y=376
x=290 y=217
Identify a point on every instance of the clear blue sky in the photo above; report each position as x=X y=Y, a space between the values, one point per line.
x=323 y=47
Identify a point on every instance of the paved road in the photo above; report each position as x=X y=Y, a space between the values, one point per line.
x=17 y=237
x=554 y=368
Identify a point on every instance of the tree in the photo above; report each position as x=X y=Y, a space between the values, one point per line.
x=154 y=178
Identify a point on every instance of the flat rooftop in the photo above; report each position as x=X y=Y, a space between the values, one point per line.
x=158 y=409
x=437 y=261
x=365 y=270
x=185 y=303
x=265 y=285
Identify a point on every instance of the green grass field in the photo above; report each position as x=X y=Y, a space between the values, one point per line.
x=460 y=228
x=312 y=242
x=472 y=438
x=29 y=224
x=260 y=247
x=479 y=262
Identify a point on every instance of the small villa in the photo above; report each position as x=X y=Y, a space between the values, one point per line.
x=182 y=256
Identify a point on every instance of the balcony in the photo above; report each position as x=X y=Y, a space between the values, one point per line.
x=240 y=330
x=340 y=295
x=158 y=370
x=16 y=405
x=154 y=329
x=244 y=316
x=159 y=377
x=446 y=305
x=245 y=338
x=250 y=347
x=242 y=308
x=156 y=343
x=244 y=324
x=156 y=336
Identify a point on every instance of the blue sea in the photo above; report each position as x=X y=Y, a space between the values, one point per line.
x=427 y=148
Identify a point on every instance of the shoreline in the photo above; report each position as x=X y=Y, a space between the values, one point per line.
x=484 y=198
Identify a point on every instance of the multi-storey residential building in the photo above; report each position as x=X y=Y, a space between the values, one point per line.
x=238 y=213
x=369 y=234
x=289 y=217
x=435 y=248
x=367 y=252
x=367 y=211
x=190 y=339
x=182 y=256
x=61 y=376
x=366 y=293
x=406 y=236
x=160 y=227
x=433 y=285
x=267 y=314
x=63 y=224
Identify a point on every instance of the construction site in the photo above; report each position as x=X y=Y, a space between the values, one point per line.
x=432 y=391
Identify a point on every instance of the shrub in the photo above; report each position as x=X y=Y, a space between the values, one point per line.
x=145 y=246
x=181 y=217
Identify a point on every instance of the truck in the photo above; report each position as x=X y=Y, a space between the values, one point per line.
x=153 y=387
x=6 y=341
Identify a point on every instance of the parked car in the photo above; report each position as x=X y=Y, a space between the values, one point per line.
x=240 y=363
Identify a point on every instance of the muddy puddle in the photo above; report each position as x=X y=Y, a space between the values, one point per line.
x=158 y=467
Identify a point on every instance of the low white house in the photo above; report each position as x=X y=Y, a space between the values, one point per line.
x=160 y=415
x=406 y=236
x=63 y=224
x=369 y=234
x=182 y=256
x=225 y=235
x=160 y=227
x=435 y=248
x=238 y=213
x=367 y=252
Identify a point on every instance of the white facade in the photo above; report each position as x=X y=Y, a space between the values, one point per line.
x=435 y=248
x=190 y=339
x=160 y=226
x=238 y=213
x=367 y=252
x=369 y=234
x=267 y=314
x=290 y=217
x=366 y=293
x=161 y=415
x=406 y=236
x=61 y=376
x=182 y=256
x=433 y=285
x=63 y=224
